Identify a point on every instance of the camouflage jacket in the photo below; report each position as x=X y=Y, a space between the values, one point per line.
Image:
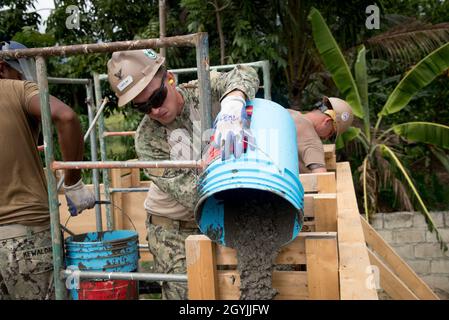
x=156 y=142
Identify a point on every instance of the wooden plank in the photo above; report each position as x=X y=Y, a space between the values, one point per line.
x=201 y=268
x=329 y=156
x=392 y=285
x=396 y=263
x=322 y=268
x=318 y=182
x=325 y=210
x=133 y=210
x=291 y=285
x=309 y=209
x=292 y=253
x=353 y=254
x=135 y=177
x=119 y=180
x=329 y=150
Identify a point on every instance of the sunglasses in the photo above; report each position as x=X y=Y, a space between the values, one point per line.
x=156 y=99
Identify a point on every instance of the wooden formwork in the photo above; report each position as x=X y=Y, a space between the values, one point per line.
x=316 y=251
x=211 y=268
x=335 y=251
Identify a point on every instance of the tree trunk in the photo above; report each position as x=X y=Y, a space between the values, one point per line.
x=162 y=28
x=220 y=31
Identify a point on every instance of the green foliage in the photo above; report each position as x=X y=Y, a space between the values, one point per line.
x=425 y=132
x=417 y=78
x=335 y=62
x=31 y=38
x=14 y=15
x=382 y=166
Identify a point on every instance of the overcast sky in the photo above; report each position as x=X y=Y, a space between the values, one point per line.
x=43 y=7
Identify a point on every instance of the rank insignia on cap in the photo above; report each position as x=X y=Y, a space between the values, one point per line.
x=150 y=54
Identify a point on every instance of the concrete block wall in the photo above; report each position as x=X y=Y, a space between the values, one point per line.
x=408 y=234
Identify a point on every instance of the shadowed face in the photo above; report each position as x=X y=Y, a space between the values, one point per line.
x=163 y=110
x=6 y=72
x=326 y=128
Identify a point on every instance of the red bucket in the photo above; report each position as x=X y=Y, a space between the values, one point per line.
x=108 y=290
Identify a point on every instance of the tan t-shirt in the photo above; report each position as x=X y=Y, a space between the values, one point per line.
x=23 y=188
x=310 y=147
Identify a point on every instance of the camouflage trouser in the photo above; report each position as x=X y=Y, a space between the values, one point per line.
x=26 y=267
x=167 y=245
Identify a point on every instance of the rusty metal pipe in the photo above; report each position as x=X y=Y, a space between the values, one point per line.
x=119 y=133
x=124 y=276
x=177 y=41
x=60 y=165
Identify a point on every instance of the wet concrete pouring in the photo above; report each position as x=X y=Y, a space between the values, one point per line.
x=257 y=224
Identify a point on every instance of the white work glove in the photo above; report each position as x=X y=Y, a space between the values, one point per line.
x=78 y=198
x=231 y=127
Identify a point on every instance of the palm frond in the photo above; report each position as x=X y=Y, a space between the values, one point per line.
x=388 y=179
x=409 y=41
x=429 y=220
x=368 y=179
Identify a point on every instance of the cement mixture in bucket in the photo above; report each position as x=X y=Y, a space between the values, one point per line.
x=256 y=224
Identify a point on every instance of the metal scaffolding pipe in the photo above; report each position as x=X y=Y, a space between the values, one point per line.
x=119 y=133
x=107 y=195
x=47 y=130
x=124 y=276
x=93 y=151
x=198 y=40
x=191 y=164
x=264 y=65
x=190 y=40
x=55 y=80
x=129 y=190
x=94 y=121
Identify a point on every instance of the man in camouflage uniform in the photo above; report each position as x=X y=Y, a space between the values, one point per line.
x=26 y=267
x=172 y=117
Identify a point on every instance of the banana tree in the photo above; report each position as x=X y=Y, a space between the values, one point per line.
x=382 y=163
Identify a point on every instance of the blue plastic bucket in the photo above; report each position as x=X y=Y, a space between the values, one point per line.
x=109 y=251
x=270 y=167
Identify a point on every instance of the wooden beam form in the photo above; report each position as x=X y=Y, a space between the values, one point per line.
x=201 y=268
x=392 y=285
x=325 y=210
x=117 y=181
x=353 y=254
x=396 y=263
x=318 y=182
x=322 y=268
x=330 y=157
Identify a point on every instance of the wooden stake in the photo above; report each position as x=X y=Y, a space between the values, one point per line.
x=325 y=209
x=353 y=254
x=322 y=268
x=201 y=268
x=397 y=264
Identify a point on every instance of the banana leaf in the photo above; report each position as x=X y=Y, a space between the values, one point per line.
x=335 y=62
x=442 y=156
x=346 y=136
x=426 y=132
x=430 y=223
x=417 y=78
